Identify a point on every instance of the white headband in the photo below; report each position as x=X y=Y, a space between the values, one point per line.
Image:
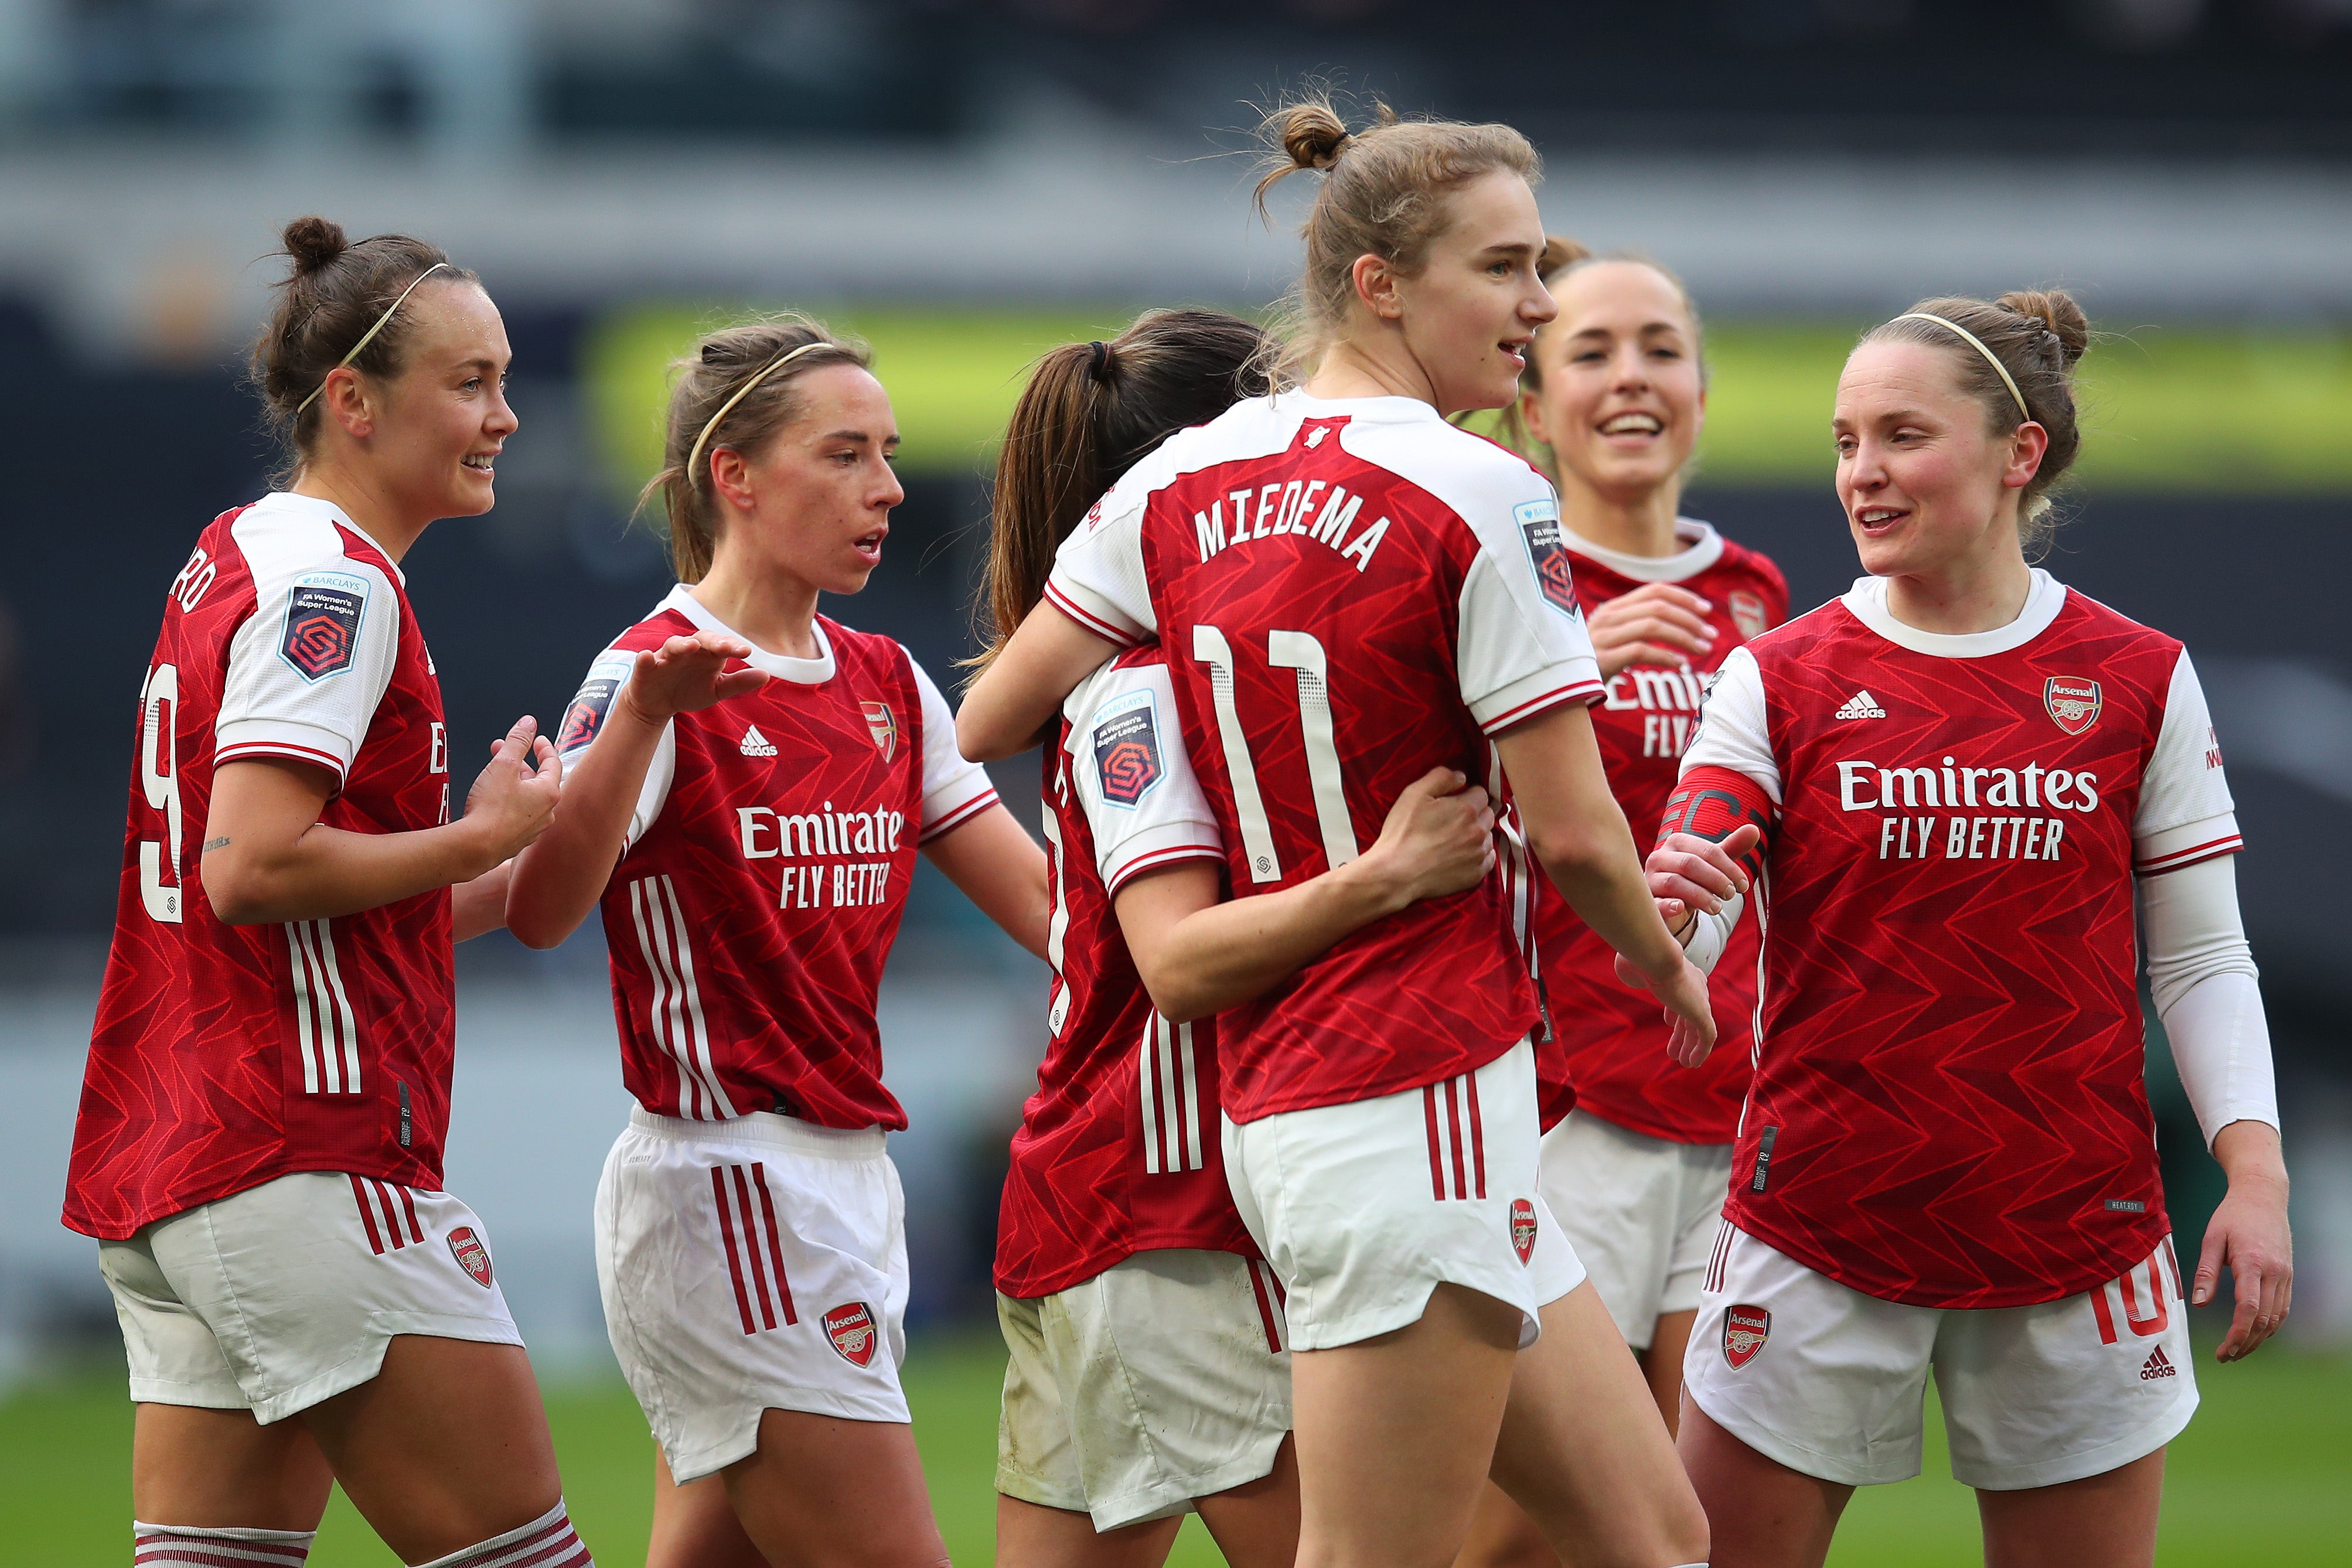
x=369 y=336
x=693 y=458
x=1977 y=343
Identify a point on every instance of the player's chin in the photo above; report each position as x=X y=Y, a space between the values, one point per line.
x=473 y=494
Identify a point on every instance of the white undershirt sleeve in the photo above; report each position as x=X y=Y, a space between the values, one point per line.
x=2203 y=973
x=1732 y=729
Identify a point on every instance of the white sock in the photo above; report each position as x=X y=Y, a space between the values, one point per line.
x=547 y=1542
x=185 y=1546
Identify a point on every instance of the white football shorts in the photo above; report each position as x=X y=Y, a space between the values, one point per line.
x=278 y=1297
x=757 y=1264
x=1364 y=1208
x=1160 y=1380
x=1640 y=1212
x=1830 y=1382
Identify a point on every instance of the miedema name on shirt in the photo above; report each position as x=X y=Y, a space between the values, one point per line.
x=1864 y=785
x=828 y=836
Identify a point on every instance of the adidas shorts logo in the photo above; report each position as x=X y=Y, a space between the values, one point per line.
x=2158 y=1365
x=1861 y=705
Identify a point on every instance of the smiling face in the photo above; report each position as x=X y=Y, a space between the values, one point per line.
x=1928 y=488
x=1620 y=403
x=1468 y=316
x=432 y=432
x=815 y=499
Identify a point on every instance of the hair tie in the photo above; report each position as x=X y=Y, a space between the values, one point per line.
x=1977 y=343
x=693 y=457
x=369 y=336
x=1099 y=367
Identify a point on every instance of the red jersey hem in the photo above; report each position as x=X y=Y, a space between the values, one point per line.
x=1470 y=1061
x=1592 y=691
x=1159 y=857
x=327 y=759
x=958 y=816
x=1092 y=623
x=2214 y=849
x=2131 y=1246
x=405 y=1174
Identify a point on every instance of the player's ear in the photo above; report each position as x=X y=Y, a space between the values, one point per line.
x=1376 y=286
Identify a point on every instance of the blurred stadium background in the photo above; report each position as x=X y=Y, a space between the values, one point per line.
x=967 y=181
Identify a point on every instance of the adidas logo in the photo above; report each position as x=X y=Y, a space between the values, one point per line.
x=1861 y=705
x=755 y=744
x=2159 y=1364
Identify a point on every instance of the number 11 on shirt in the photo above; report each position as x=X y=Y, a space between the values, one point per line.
x=1302 y=654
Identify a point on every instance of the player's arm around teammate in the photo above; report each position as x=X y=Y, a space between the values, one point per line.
x=752 y=782
x=2055 y=1327
x=298 y=1294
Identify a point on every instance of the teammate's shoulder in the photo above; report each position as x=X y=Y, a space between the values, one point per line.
x=1800 y=632
x=652 y=632
x=1135 y=669
x=286 y=538
x=1738 y=557
x=2083 y=614
x=1440 y=448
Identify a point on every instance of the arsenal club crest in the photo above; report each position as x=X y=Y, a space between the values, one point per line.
x=1523 y=1228
x=471 y=1254
x=883 y=725
x=1127 y=748
x=851 y=1328
x=1748 y=612
x=1538 y=524
x=2073 y=702
x=1745 y=1329
x=322 y=624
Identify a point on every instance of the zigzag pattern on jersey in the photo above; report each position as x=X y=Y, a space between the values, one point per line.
x=1118 y=1148
x=205 y=1076
x=1950 y=1068
x=736 y=990
x=1440 y=988
x=1609 y=1050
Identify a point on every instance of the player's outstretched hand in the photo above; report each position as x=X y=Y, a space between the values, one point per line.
x=1690 y=1022
x=1692 y=872
x=686 y=675
x=2248 y=1234
x=1439 y=837
x=1655 y=624
x=514 y=798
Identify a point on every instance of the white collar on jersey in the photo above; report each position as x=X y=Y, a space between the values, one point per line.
x=1702 y=548
x=1867 y=600
x=1387 y=409
x=318 y=511
x=799 y=671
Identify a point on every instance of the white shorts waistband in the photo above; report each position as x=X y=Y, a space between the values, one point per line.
x=767 y=1128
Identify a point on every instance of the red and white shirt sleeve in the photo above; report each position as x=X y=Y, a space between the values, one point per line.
x=585 y=717
x=1733 y=732
x=270 y=705
x=1143 y=803
x=955 y=790
x=2185 y=814
x=1097 y=577
x=1520 y=651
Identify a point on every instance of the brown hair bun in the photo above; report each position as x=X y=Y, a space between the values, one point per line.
x=2058 y=313
x=1312 y=133
x=314 y=244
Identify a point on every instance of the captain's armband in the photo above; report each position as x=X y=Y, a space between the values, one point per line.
x=1713 y=802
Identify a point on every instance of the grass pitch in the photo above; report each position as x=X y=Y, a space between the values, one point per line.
x=2257 y=1478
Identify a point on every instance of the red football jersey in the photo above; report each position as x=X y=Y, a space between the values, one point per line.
x=1119 y=1150
x=1609 y=1051
x=766 y=871
x=224 y=1056
x=1352 y=592
x=1948 y=1107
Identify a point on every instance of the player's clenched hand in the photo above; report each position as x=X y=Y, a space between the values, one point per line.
x=1698 y=873
x=514 y=799
x=1657 y=623
x=1439 y=838
x=686 y=675
x=2248 y=1234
